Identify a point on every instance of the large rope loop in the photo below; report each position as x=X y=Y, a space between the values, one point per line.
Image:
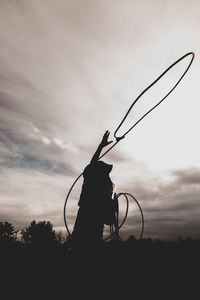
x=145 y=90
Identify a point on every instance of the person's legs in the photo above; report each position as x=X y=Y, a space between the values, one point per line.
x=88 y=230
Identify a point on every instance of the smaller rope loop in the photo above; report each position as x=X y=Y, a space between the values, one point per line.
x=124 y=219
x=142 y=215
x=126 y=214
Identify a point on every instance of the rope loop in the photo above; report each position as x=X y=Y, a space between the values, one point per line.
x=146 y=89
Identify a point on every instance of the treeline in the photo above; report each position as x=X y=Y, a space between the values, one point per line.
x=42 y=233
x=36 y=233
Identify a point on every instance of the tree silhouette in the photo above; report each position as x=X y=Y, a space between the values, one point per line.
x=39 y=233
x=7 y=232
x=60 y=237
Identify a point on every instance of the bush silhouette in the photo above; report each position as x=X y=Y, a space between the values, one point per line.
x=39 y=233
x=7 y=232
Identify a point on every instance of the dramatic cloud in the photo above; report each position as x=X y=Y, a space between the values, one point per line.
x=170 y=210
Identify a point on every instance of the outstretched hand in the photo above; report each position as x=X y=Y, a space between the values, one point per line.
x=104 y=141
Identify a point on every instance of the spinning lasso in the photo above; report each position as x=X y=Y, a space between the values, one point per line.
x=121 y=137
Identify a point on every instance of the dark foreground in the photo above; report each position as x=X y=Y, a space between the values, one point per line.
x=129 y=270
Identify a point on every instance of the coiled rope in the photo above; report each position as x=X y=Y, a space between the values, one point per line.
x=126 y=214
x=118 y=138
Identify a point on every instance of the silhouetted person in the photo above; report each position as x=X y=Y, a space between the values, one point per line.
x=96 y=192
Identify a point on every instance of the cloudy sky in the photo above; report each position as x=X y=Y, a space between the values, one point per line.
x=69 y=70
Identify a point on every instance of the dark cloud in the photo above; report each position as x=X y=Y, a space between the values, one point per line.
x=170 y=209
x=19 y=151
x=26 y=161
x=20 y=146
x=187 y=177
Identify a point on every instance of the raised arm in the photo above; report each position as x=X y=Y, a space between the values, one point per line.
x=103 y=144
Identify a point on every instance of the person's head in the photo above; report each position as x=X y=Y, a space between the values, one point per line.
x=103 y=167
x=100 y=169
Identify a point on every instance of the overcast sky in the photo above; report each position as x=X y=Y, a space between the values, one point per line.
x=69 y=70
